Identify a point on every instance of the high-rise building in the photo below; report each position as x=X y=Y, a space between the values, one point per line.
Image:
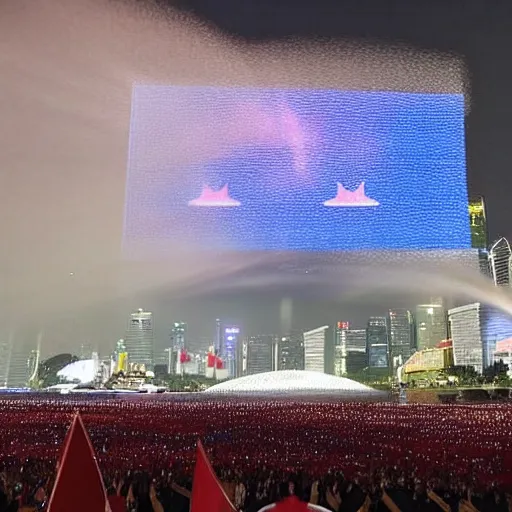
x=478 y=223
x=340 y=348
x=466 y=333
x=231 y=348
x=218 y=336
x=431 y=324
x=497 y=326
x=5 y=358
x=24 y=359
x=291 y=352
x=476 y=329
x=314 y=349
x=19 y=367
x=119 y=358
x=350 y=355
x=139 y=340
x=500 y=261
x=164 y=360
x=479 y=237
x=260 y=352
x=179 y=336
x=401 y=336
x=377 y=342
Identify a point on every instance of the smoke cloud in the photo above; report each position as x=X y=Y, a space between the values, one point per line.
x=67 y=69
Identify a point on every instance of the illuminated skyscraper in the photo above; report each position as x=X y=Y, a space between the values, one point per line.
x=476 y=329
x=500 y=261
x=431 y=324
x=291 y=352
x=179 y=336
x=5 y=359
x=231 y=348
x=377 y=342
x=24 y=360
x=314 y=349
x=357 y=355
x=218 y=336
x=260 y=351
x=20 y=367
x=401 y=335
x=139 y=338
x=349 y=350
x=340 y=348
x=466 y=335
x=478 y=223
x=479 y=237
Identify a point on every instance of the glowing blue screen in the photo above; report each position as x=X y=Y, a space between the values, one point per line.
x=307 y=170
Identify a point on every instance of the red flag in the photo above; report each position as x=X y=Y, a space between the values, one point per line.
x=78 y=486
x=291 y=504
x=117 y=503
x=207 y=492
x=185 y=357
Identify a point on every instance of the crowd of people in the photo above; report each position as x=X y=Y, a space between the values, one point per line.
x=326 y=452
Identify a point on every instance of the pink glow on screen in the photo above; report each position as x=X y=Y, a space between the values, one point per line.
x=347 y=198
x=214 y=198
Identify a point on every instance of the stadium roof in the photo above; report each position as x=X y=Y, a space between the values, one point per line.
x=81 y=371
x=292 y=381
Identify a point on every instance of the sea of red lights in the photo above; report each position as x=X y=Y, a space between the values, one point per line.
x=464 y=440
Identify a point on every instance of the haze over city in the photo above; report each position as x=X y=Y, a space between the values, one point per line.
x=66 y=75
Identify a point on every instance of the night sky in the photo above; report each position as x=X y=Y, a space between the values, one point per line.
x=476 y=30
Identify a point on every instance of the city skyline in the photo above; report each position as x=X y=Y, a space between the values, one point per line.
x=337 y=348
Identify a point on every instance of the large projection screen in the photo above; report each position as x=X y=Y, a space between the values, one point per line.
x=300 y=170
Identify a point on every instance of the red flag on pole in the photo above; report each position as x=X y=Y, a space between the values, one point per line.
x=79 y=485
x=207 y=492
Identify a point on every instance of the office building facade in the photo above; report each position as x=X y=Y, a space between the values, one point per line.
x=340 y=348
x=350 y=354
x=431 y=325
x=478 y=223
x=231 y=350
x=260 y=354
x=139 y=339
x=5 y=359
x=496 y=327
x=466 y=334
x=500 y=261
x=401 y=336
x=291 y=352
x=377 y=342
x=314 y=349
x=179 y=336
x=476 y=331
x=218 y=337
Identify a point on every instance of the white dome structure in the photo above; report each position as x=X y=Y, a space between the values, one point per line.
x=83 y=371
x=293 y=382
